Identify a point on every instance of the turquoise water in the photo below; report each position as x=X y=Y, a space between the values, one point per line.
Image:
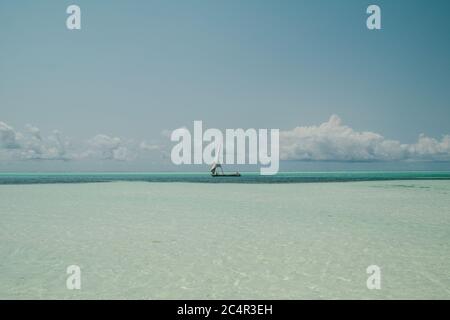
x=287 y=177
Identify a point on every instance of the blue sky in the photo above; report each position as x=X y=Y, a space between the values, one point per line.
x=139 y=68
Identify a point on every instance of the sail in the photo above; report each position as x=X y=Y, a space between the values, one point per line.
x=217 y=160
x=216 y=164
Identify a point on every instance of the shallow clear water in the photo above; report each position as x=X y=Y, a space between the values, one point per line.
x=200 y=240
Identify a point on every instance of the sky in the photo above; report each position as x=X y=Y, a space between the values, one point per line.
x=106 y=96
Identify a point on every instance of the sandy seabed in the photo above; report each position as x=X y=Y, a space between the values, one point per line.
x=139 y=240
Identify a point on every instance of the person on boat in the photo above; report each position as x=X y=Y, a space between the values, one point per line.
x=214 y=169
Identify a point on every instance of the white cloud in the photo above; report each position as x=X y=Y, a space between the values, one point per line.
x=330 y=141
x=8 y=137
x=148 y=147
x=30 y=145
x=336 y=142
x=430 y=149
x=105 y=147
x=35 y=132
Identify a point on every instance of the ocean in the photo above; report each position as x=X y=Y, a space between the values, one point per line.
x=246 y=177
x=191 y=236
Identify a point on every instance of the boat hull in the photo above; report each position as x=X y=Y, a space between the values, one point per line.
x=226 y=175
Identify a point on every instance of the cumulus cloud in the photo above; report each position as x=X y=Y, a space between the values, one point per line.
x=34 y=131
x=54 y=147
x=104 y=147
x=330 y=141
x=333 y=141
x=148 y=147
x=30 y=145
x=430 y=149
x=8 y=137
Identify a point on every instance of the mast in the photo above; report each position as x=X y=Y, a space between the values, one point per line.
x=216 y=164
